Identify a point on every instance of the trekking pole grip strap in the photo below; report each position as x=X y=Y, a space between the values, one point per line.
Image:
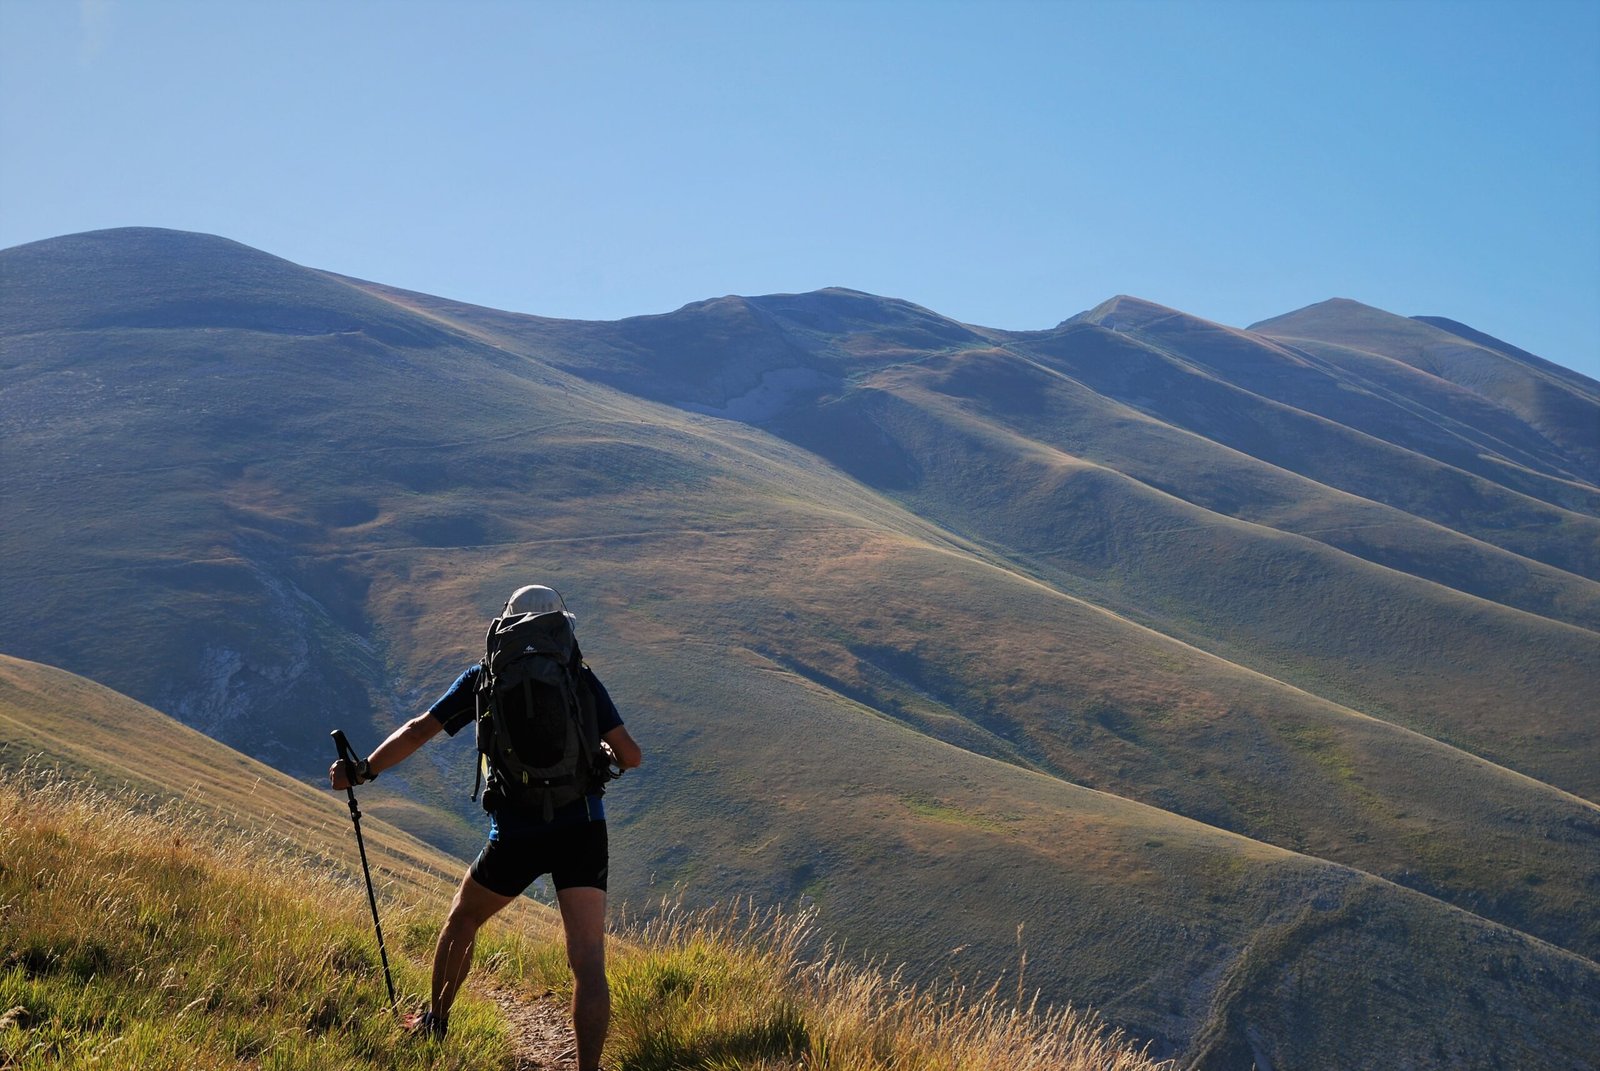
x=360 y=769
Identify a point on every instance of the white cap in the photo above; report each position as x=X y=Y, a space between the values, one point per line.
x=536 y=599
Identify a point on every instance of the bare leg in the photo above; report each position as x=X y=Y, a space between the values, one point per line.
x=583 y=916
x=452 y=957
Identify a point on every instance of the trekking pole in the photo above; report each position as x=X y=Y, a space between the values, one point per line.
x=350 y=759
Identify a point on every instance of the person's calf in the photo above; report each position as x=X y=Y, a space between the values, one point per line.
x=591 y=1018
x=452 y=960
x=473 y=906
x=583 y=919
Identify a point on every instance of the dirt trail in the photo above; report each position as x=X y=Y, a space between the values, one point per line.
x=541 y=1031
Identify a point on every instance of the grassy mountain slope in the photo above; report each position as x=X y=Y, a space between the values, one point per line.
x=895 y=647
x=53 y=718
x=1102 y=874
x=1456 y=457
x=1276 y=601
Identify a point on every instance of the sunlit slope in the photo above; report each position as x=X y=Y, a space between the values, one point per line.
x=1470 y=429
x=982 y=658
x=764 y=779
x=51 y=717
x=944 y=859
x=1464 y=669
x=1016 y=671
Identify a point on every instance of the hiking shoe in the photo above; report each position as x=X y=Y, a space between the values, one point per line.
x=424 y=1024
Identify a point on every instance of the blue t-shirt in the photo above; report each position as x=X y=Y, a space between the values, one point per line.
x=456 y=709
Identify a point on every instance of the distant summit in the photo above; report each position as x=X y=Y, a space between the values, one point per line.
x=1121 y=311
x=1559 y=403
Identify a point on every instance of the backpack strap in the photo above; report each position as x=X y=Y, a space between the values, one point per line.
x=477 y=765
x=477 y=708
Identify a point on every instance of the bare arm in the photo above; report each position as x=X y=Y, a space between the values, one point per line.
x=393 y=751
x=622 y=745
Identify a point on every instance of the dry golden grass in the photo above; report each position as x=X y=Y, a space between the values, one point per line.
x=746 y=990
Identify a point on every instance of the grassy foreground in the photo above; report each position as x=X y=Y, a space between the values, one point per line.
x=138 y=935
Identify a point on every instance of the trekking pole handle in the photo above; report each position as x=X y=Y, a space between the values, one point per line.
x=359 y=770
x=346 y=752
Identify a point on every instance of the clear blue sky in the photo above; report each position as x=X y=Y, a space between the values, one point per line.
x=1007 y=164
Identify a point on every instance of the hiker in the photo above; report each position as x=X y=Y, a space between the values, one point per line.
x=527 y=838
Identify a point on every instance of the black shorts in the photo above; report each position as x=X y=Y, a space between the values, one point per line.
x=574 y=857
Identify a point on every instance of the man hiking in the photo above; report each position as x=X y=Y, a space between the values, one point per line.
x=533 y=829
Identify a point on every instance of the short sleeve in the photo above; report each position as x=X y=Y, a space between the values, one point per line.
x=605 y=710
x=456 y=708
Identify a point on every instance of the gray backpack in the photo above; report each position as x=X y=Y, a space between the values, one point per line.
x=538 y=736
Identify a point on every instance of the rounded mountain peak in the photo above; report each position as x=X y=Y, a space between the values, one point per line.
x=151 y=278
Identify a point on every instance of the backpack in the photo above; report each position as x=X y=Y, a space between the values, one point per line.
x=538 y=735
